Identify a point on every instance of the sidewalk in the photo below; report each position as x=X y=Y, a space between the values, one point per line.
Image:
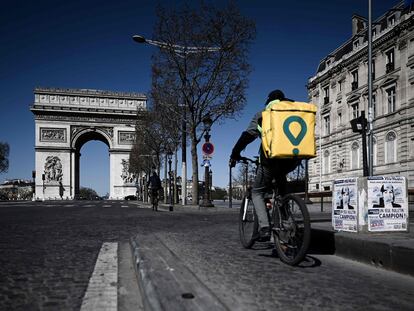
x=167 y=284
x=389 y=250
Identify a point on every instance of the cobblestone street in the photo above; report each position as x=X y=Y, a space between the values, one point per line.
x=48 y=252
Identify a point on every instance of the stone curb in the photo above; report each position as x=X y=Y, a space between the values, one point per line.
x=391 y=251
x=165 y=282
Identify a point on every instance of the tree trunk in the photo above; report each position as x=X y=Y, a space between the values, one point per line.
x=195 y=166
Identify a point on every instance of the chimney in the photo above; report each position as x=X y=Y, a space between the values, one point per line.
x=359 y=23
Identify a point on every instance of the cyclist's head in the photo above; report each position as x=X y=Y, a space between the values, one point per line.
x=273 y=95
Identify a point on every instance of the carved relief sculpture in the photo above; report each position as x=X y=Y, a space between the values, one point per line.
x=126 y=138
x=126 y=176
x=53 y=135
x=53 y=169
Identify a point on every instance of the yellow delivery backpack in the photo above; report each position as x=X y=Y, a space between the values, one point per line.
x=288 y=130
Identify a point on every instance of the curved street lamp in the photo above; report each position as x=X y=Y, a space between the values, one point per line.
x=181 y=51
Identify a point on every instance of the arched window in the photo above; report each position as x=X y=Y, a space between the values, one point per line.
x=355 y=155
x=326 y=160
x=390 y=147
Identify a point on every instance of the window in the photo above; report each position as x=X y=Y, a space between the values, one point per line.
x=354 y=110
x=389 y=61
x=356 y=44
x=391 y=21
x=354 y=84
x=411 y=147
x=327 y=125
x=326 y=160
x=390 y=93
x=374 y=106
x=373 y=70
x=354 y=156
x=374 y=150
x=390 y=147
x=339 y=118
x=326 y=95
x=374 y=32
x=340 y=86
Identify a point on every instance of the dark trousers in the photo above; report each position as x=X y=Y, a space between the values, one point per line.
x=263 y=184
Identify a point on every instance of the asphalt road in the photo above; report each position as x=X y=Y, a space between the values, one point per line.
x=49 y=250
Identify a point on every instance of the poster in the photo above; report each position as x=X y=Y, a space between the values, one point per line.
x=387 y=204
x=344 y=204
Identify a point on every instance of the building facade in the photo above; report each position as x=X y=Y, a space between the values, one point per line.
x=66 y=119
x=340 y=89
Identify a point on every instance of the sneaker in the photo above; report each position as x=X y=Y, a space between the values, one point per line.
x=263 y=235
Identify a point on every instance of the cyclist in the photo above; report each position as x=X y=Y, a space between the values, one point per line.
x=268 y=169
x=154 y=182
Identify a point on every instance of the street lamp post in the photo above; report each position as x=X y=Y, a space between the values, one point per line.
x=170 y=198
x=181 y=51
x=359 y=125
x=206 y=197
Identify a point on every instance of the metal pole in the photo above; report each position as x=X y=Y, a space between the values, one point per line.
x=171 y=203
x=307 y=200
x=175 y=177
x=206 y=201
x=184 y=158
x=370 y=108
x=230 y=189
x=364 y=145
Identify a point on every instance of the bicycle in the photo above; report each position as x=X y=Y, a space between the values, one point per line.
x=288 y=219
x=154 y=199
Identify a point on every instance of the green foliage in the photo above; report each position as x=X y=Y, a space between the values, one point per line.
x=219 y=194
x=87 y=194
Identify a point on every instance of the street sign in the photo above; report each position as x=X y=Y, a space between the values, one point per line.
x=208 y=148
x=206 y=163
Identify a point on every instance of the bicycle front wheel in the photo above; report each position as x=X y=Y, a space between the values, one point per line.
x=248 y=223
x=292 y=230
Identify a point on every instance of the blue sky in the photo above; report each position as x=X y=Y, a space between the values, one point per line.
x=87 y=44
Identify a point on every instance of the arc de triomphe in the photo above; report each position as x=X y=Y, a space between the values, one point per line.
x=66 y=119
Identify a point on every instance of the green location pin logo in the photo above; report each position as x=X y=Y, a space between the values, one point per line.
x=303 y=129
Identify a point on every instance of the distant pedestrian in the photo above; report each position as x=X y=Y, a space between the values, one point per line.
x=154 y=183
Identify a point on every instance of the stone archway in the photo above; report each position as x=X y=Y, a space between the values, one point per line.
x=65 y=120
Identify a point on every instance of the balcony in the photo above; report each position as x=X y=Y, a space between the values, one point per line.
x=354 y=85
x=389 y=67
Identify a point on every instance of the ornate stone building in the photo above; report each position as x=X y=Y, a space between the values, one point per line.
x=66 y=119
x=340 y=89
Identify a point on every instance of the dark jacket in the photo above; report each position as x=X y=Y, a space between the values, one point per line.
x=155 y=182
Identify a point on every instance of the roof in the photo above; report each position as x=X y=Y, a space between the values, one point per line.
x=347 y=47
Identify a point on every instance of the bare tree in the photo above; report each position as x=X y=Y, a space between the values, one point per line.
x=155 y=136
x=4 y=157
x=203 y=65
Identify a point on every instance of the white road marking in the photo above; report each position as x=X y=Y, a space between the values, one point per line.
x=102 y=292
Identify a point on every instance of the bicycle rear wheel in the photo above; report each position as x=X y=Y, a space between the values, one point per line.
x=291 y=230
x=248 y=223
